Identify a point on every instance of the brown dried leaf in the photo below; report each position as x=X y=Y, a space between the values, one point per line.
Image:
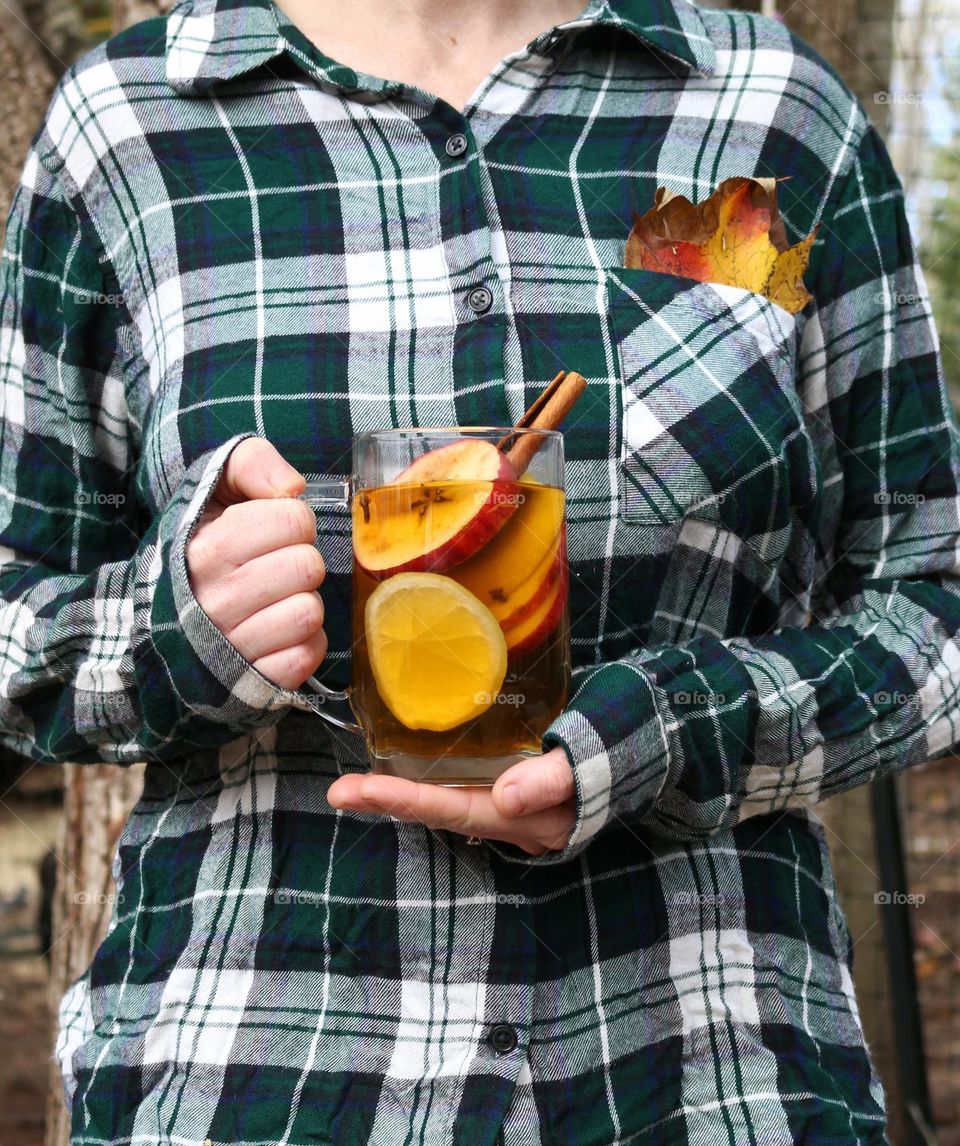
x=735 y=237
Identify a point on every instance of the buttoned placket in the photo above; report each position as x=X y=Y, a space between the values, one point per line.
x=478 y=298
x=477 y=291
x=466 y=206
x=487 y=345
x=515 y=82
x=511 y=959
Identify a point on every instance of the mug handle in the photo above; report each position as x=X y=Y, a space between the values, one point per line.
x=323 y=695
x=329 y=492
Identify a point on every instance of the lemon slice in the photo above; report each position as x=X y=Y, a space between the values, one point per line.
x=437 y=654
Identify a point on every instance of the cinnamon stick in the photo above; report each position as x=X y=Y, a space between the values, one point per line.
x=540 y=401
x=546 y=413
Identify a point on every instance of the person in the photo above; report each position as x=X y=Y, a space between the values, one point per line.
x=249 y=229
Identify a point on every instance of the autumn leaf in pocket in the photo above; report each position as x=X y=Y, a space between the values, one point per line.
x=735 y=237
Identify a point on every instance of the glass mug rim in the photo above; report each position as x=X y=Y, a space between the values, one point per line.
x=397 y=431
x=331 y=489
x=338 y=490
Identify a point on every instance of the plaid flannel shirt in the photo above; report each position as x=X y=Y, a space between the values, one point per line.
x=221 y=231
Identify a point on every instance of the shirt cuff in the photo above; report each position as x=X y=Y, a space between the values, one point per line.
x=614 y=738
x=210 y=676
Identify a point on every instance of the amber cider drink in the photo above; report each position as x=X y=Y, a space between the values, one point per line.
x=461 y=650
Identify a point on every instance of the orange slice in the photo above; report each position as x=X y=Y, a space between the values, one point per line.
x=437 y=654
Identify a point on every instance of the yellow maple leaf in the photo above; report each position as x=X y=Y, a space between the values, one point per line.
x=736 y=236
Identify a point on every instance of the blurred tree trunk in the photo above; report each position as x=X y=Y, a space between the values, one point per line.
x=127 y=12
x=856 y=37
x=97 y=801
x=913 y=143
x=26 y=81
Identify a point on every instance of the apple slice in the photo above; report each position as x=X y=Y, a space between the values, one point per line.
x=437 y=513
x=539 y=624
x=497 y=571
x=467 y=459
x=518 y=605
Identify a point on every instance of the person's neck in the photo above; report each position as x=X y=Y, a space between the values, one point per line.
x=443 y=46
x=434 y=15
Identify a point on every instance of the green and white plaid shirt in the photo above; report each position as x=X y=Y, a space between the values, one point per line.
x=219 y=232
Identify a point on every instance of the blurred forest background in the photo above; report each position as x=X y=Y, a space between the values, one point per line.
x=59 y=825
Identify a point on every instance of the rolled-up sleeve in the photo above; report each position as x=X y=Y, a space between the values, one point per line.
x=104 y=652
x=690 y=738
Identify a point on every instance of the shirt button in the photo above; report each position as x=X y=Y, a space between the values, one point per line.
x=456 y=145
x=503 y=1038
x=480 y=300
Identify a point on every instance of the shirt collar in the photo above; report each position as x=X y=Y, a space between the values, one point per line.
x=673 y=27
x=212 y=40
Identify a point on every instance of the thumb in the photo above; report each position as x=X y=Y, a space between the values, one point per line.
x=255 y=469
x=535 y=784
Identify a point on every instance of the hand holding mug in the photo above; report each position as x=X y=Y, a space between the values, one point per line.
x=254 y=567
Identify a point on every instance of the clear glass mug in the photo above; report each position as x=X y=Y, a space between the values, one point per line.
x=461 y=645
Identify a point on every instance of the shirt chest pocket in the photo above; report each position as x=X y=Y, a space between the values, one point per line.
x=711 y=426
